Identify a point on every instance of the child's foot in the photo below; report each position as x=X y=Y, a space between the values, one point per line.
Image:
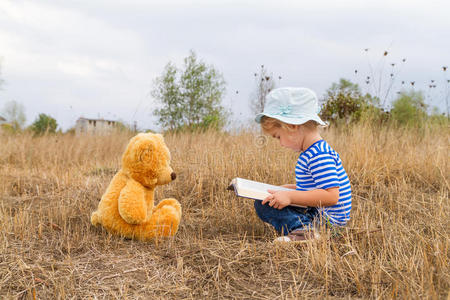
x=299 y=235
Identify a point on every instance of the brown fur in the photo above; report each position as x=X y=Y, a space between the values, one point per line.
x=127 y=207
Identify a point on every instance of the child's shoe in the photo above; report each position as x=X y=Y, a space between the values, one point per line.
x=299 y=235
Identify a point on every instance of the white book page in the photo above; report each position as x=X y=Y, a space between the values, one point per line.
x=258 y=186
x=255 y=190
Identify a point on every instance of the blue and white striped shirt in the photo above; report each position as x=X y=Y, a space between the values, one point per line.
x=319 y=167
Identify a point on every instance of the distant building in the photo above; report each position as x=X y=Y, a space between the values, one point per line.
x=3 y=120
x=94 y=126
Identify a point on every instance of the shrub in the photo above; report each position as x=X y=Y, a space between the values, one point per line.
x=409 y=109
x=44 y=124
x=344 y=102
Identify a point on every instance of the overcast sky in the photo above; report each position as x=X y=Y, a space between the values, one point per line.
x=98 y=58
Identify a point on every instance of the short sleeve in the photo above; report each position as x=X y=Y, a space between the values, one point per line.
x=324 y=171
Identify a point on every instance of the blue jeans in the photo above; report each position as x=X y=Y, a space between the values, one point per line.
x=287 y=219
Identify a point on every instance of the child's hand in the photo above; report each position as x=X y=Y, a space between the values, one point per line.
x=289 y=186
x=277 y=199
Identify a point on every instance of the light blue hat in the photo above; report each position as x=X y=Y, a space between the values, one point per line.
x=292 y=105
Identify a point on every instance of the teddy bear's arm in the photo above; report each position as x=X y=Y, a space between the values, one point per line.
x=132 y=205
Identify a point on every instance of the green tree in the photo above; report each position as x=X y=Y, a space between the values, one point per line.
x=167 y=91
x=409 y=108
x=344 y=101
x=14 y=113
x=190 y=98
x=44 y=124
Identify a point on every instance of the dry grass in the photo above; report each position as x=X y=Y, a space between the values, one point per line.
x=396 y=245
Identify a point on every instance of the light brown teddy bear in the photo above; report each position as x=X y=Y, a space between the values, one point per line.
x=127 y=207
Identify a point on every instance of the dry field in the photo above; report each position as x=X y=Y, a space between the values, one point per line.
x=396 y=245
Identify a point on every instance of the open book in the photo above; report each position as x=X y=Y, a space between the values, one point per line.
x=254 y=190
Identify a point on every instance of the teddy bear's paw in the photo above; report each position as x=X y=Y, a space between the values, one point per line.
x=169 y=202
x=164 y=221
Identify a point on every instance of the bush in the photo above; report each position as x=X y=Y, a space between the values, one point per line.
x=409 y=109
x=438 y=118
x=14 y=112
x=44 y=124
x=6 y=127
x=344 y=102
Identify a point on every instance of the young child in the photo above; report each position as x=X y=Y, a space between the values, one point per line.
x=322 y=185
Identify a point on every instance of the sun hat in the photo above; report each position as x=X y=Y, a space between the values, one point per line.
x=292 y=105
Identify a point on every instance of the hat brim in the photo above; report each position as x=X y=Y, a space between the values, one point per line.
x=294 y=121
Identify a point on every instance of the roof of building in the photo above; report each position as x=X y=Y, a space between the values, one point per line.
x=2 y=119
x=103 y=120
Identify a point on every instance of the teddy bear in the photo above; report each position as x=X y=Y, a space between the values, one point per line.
x=127 y=208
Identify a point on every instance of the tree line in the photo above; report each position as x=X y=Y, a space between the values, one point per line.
x=190 y=98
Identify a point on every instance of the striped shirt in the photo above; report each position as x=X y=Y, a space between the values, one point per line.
x=319 y=167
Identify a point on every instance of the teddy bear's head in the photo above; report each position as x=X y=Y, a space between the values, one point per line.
x=147 y=160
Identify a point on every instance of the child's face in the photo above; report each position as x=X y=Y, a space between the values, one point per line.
x=289 y=139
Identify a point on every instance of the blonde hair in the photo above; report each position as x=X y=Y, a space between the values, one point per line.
x=268 y=124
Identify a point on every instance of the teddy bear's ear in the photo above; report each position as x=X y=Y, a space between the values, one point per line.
x=144 y=152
